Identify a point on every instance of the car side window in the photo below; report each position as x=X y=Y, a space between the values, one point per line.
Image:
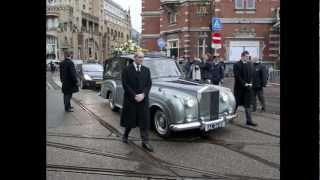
x=116 y=68
x=108 y=69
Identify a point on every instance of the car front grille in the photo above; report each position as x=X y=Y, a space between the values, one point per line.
x=209 y=105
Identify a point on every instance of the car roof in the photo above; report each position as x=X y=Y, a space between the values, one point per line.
x=91 y=64
x=148 y=57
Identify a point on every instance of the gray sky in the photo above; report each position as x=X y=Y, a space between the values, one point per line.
x=135 y=11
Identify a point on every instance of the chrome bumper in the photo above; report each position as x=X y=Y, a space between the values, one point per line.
x=199 y=124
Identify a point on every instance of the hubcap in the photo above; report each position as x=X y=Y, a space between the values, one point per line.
x=161 y=122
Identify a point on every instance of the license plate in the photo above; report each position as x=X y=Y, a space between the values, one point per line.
x=215 y=126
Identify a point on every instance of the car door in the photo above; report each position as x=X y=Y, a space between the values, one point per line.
x=120 y=91
x=116 y=73
x=107 y=75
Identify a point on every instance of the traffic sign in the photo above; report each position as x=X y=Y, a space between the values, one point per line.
x=216 y=24
x=216 y=40
x=161 y=43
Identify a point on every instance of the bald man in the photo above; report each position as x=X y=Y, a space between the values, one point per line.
x=136 y=82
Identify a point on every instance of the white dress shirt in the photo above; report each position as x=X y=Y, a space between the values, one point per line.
x=137 y=66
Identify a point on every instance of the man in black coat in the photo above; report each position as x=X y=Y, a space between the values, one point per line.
x=69 y=81
x=243 y=75
x=215 y=71
x=259 y=82
x=136 y=82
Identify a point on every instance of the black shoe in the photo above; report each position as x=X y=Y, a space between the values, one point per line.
x=125 y=139
x=252 y=124
x=69 y=110
x=263 y=110
x=147 y=146
x=71 y=107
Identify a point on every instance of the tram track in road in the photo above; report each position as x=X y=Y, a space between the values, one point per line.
x=128 y=173
x=173 y=140
x=255 y=130
x=207 y=174
x=114 y=172
x=165 y=165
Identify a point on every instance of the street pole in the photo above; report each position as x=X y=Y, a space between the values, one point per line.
x=211 y=14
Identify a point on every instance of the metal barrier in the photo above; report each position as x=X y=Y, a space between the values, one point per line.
x=274 y=76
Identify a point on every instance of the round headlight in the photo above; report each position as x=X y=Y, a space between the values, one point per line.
x=224 y=97
x=87 y=77
x=189 y=102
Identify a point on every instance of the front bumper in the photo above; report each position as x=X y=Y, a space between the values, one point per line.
x=92 y=83
x=201 y=124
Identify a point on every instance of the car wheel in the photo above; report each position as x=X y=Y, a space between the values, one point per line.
x=161 y=124
x=111 y=103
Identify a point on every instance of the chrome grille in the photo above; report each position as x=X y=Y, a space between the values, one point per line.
x=209 y=105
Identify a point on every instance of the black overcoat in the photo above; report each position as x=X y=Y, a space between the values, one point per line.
x=243 y=73
x=260 y=76
x=68 y=77
x=135 y=114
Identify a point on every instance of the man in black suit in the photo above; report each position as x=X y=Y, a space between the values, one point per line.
x=136 y=82
x=259 y=82
x=69 y=81
x=243 y=75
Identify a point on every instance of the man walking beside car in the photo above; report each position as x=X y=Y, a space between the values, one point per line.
x=69 y=81
x=136 y=82
x=243 y=75
x=259 y=82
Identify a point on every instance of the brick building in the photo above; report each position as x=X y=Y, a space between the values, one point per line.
x=185 y=26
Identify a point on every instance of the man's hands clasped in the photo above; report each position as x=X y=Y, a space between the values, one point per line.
x=139 y=97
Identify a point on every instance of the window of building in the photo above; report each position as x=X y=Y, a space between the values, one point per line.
x=237 y=47
x=65 y=27
x=202 y=11
x=250 y=4
x=172 y=17
x=239 y=4
x=245 y=4
x=201 y=47
x=84 y=7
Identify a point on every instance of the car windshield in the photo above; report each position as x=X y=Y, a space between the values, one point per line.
x=92 y=68
x=162 y=68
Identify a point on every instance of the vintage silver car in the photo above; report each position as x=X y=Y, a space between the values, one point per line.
x=175 y=104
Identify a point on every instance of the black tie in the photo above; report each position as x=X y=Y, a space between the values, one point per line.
x=138 y=67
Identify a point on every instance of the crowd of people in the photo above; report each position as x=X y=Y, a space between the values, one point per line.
x=250 y=77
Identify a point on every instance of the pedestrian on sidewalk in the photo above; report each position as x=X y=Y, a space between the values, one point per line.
x=136 y=82
x=52 y=67
x=243 y=76
x=192 y=69
x=259 y=82
x=69 y=81
x=203 y=66
x=215 y=71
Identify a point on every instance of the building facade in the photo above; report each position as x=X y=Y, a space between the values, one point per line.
x=83 y=26
x=185 y=26
x=117 y=22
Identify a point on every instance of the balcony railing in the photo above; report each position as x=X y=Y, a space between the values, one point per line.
x=170 y=1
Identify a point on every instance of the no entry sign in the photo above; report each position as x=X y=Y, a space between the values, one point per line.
x=216 y=40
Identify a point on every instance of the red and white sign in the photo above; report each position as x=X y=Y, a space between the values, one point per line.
x=216 y=40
